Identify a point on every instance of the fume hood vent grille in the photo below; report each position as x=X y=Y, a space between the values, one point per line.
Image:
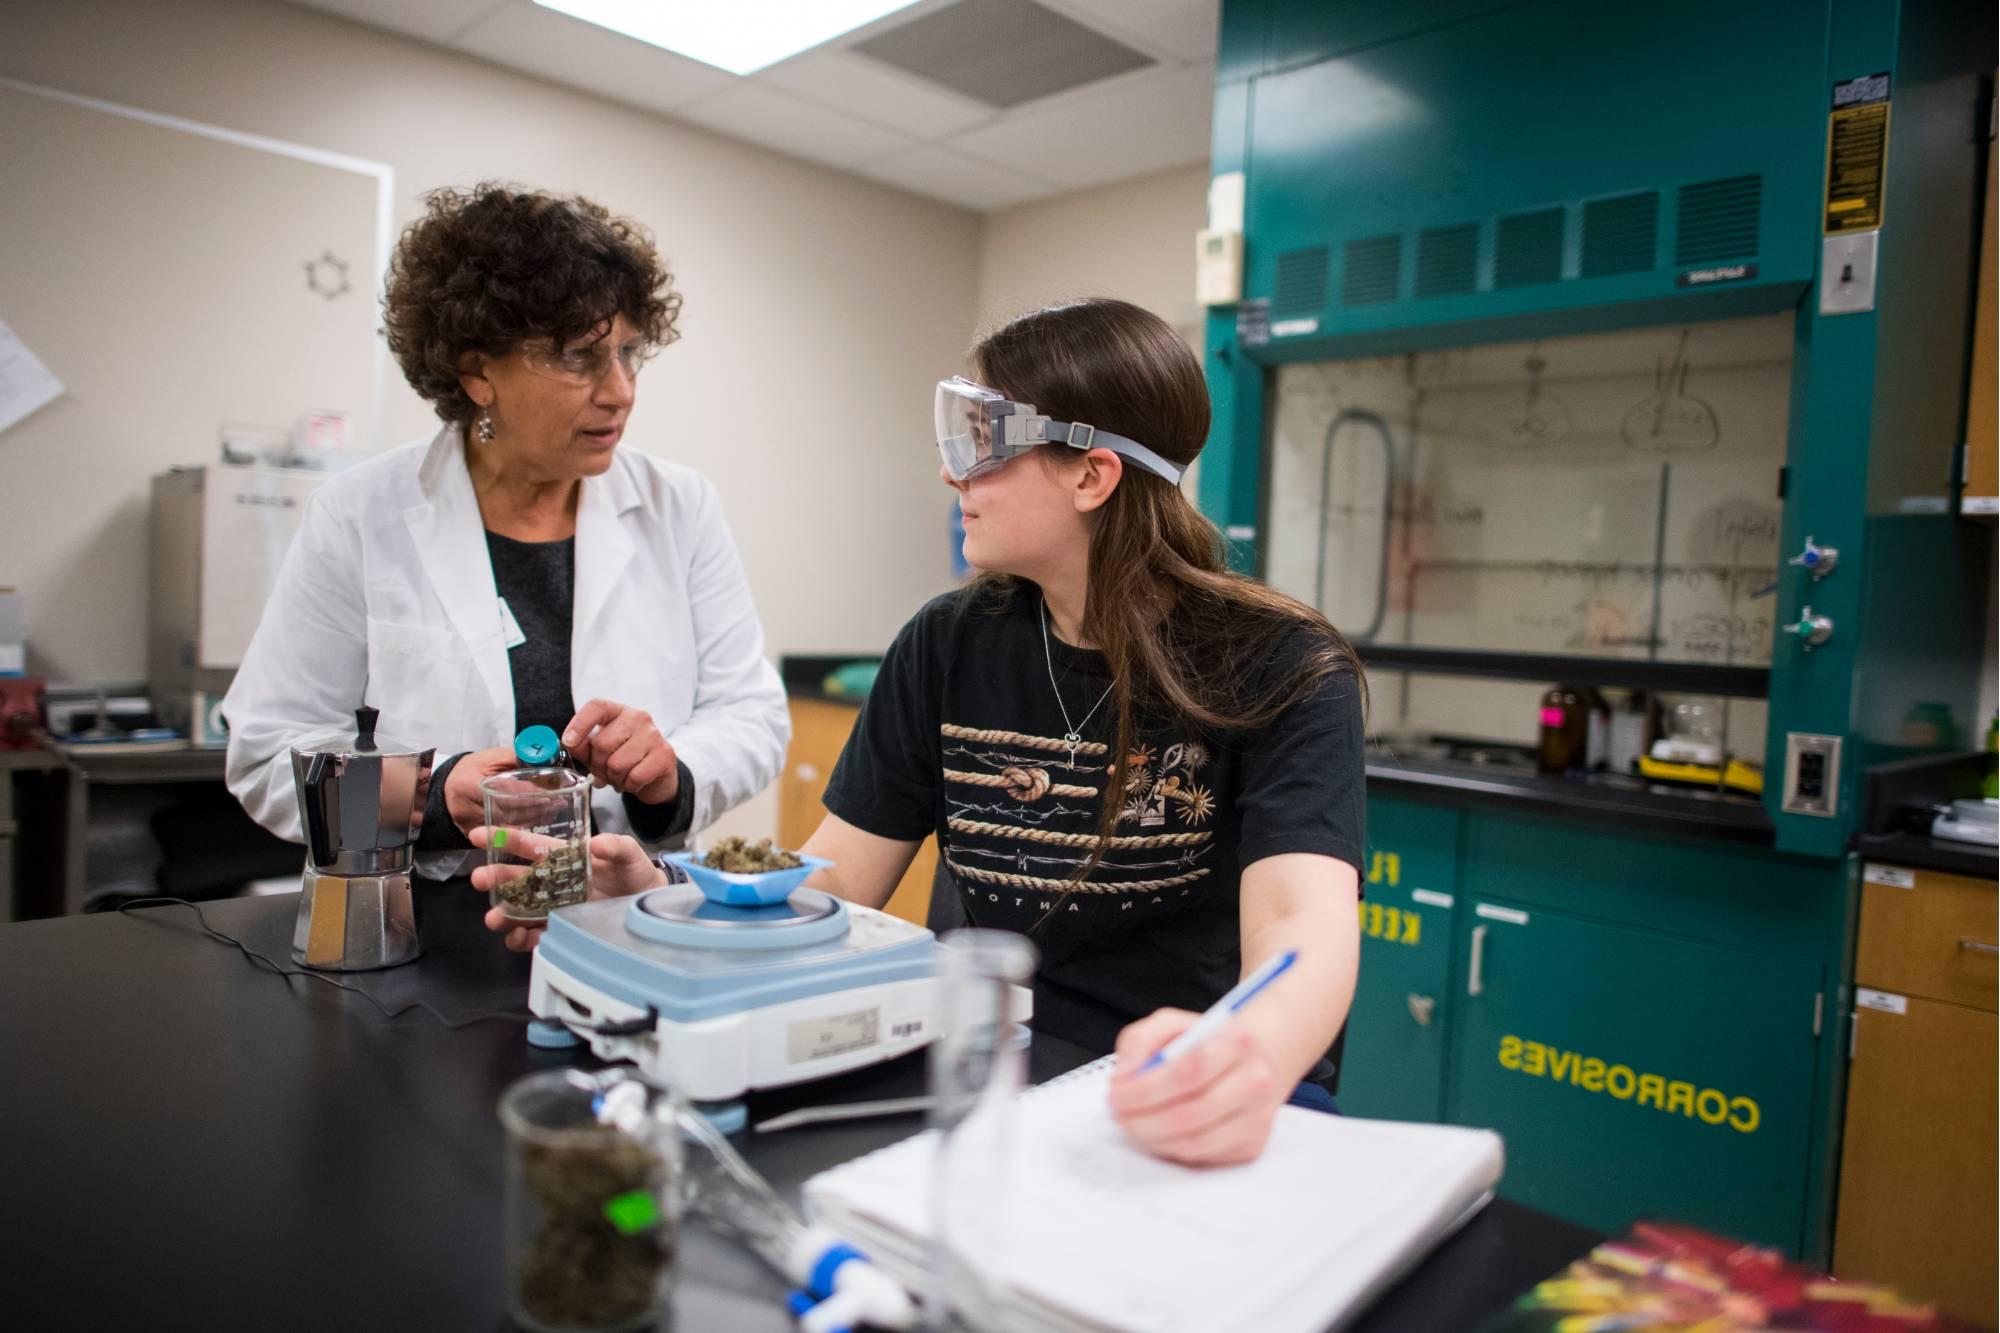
x=1718 y=220
x=1528 y=248
x=1300 y=288
x=1621 y=234
x=1372 y=272
x=1448 y=260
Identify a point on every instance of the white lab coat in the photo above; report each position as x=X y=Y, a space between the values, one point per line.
x=387 y=597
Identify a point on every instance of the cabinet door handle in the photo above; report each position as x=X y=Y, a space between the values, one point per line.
x=1978 y=946
x=1475 y=975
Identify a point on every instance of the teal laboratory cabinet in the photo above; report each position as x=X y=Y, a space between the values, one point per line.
x=1615 y=348
x=1640 y=1018
x=1394 y=1063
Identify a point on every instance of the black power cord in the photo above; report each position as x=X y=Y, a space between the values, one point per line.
x=631 y=1027
x=267 y=963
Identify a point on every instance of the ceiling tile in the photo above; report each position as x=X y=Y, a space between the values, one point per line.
x=434 y=20
x=1141 y=124
x=955 y=178
x=1180 y=29
x=867 y=89
x=555 y=46
x=1005 y=53
x=788 y=124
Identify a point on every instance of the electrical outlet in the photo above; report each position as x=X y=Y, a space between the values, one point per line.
x=1812 y=774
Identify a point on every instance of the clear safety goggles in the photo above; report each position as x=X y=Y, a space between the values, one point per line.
x=588 y=363
x=979 y=429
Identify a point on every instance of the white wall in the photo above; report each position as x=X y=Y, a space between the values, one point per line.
x=1133 y=240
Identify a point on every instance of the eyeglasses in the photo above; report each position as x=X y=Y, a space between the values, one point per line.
x=588 y=364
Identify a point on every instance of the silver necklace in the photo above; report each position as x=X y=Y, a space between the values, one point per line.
x=1074 y=737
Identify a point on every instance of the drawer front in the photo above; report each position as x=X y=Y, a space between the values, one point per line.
x=1936 y=938
x=819 y=733
x=1917 y=1164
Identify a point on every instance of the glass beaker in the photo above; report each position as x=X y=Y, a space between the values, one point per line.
x=1694 y=730
x=539 y=831
x=1694 y=721
x=977 y=1065
x=592 y=1202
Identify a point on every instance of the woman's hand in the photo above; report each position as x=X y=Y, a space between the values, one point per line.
x=462 y=798
x=619 y=867
x=624 y=751
x=1212 y=1106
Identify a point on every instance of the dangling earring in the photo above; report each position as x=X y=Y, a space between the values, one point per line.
x=483 y=428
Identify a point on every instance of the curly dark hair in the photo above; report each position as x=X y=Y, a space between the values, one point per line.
x=489 y=268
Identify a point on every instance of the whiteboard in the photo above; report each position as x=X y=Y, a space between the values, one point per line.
x=161 y=270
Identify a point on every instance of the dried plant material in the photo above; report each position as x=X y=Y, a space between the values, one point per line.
x=582 y=1268
x=743 y=857
x=558 y=879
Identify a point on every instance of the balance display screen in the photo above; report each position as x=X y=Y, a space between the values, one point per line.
x=837 y=1034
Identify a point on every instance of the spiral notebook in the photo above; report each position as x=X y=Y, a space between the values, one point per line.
x=1106 y=1239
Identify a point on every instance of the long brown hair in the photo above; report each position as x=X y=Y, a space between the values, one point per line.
x=1182 y=635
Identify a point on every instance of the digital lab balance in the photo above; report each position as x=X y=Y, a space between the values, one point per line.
x=715 y=1000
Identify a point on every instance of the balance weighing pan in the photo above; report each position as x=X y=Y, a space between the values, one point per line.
x=736 y=889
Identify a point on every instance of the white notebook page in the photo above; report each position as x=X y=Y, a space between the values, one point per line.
x=1112 y=1238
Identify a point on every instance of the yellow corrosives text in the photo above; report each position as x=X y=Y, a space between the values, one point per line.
x=1391 y=923
x=1672 y=1096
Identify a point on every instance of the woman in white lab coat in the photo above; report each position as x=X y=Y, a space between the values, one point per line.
x=519 y=568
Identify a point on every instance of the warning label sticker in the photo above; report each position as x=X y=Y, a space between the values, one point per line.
x=1857 y=143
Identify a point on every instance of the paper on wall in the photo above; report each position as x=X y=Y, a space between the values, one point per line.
x=1225 y=202
x=25 y=383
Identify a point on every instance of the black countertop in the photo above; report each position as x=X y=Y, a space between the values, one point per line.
x=1902 y=796
x=1927 y=853
x=1600 y=797
x=197 y=1144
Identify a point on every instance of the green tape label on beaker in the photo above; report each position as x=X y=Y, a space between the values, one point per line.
x=632 y=1212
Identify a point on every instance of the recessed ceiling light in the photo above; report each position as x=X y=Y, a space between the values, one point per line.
x=741 y=36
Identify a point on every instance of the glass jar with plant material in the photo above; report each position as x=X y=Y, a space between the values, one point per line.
x=593 y=1202
x=540 y=822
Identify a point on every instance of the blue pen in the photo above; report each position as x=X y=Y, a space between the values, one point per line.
x=1223 y=1009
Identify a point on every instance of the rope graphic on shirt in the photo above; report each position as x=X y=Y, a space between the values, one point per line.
x=1094 y=749
x=1025 y=784
x=1051 y=838
x=1155 y=788
x=1003 y=759
x=1009 y=881
x=1022 y=860
x=1015 y=810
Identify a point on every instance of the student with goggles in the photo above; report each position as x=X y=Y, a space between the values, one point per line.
x=1149 y=765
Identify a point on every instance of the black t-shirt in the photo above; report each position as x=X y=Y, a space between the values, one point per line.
x=962 y=736
x=537 y=581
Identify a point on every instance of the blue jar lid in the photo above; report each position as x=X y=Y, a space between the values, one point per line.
x=537 y=745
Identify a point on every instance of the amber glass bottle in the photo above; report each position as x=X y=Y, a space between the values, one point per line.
x=1565 y=739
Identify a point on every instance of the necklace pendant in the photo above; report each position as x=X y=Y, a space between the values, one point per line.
x=1072 y=740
